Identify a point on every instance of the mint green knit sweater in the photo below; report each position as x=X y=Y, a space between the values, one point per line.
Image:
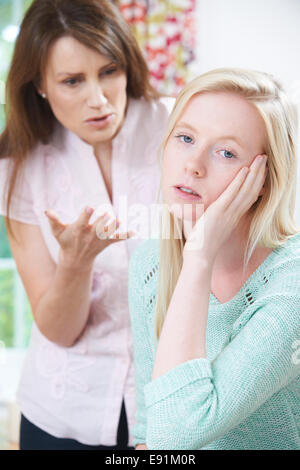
x=246 y=393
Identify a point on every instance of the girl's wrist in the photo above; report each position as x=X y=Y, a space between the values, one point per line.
x=195 y=265
x=197 y=260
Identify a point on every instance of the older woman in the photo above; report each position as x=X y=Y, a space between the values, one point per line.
x=82 y=131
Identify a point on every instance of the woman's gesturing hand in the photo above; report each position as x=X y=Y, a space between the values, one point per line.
x=213 y=228
x=81 y=242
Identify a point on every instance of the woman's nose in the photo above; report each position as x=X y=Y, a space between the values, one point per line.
x=96 y=97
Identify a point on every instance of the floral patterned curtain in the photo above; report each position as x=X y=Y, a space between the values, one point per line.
x=165 y=31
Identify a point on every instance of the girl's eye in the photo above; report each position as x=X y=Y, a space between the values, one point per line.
x=227 y=154
x=184 y=138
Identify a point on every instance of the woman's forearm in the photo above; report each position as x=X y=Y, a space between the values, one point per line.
x=183 y=336
x=62 y=312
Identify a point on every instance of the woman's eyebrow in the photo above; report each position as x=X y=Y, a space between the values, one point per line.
x=196 y=131
x=80 y=73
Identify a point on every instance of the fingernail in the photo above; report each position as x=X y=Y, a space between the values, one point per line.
x=89 y=210
x=261 y=159
x=132 y=233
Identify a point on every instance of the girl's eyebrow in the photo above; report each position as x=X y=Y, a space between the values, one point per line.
x=188 y=126
x=222 y=137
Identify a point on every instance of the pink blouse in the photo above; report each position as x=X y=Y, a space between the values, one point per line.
x=77 y=392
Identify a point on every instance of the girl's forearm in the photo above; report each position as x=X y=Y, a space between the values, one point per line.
x=183 y=335
x=62 y=312
x=141 y=447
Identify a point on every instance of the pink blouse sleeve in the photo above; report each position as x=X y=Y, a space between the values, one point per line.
x=22 y=204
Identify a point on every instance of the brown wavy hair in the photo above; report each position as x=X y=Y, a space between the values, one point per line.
x=97 y=24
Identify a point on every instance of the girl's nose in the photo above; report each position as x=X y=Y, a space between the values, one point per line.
x=196 y=168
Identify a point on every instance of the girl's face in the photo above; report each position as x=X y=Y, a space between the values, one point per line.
x=217 y=134
x=86 y=91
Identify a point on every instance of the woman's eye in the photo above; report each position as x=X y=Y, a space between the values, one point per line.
x=71 y=81
x=227 y=154
x=110 y=71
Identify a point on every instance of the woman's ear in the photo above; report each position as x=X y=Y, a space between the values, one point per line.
x=39 y=87
x=41 y=93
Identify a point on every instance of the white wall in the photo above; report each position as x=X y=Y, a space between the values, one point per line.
x=258 y=34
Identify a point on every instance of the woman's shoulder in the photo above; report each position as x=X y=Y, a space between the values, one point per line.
x=6 y=167
x=46 y=161
x=147 y=120
x=165 y=103
x=57 y=142
x=153 y=110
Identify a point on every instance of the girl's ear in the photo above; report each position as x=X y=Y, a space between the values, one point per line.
x=261 y=192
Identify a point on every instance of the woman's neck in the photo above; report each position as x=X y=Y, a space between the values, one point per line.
x=103 y=150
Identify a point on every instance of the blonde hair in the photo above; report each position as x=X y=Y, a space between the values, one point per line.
x=273 y=213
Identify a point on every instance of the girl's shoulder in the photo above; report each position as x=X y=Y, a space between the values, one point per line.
x=287 y=253
x=282 y=271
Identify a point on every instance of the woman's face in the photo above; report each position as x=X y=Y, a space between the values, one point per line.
x=86 y=91
x=217 y=134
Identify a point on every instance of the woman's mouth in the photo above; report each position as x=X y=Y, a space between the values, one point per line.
x=187 y=194
x=100 y=122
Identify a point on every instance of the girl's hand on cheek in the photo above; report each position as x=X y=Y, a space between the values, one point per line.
x=222 y=216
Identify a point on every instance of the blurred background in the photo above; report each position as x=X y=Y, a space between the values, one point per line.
x=180 y=39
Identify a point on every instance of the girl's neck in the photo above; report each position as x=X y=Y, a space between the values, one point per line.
x=231 y=254
x=230 y=257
